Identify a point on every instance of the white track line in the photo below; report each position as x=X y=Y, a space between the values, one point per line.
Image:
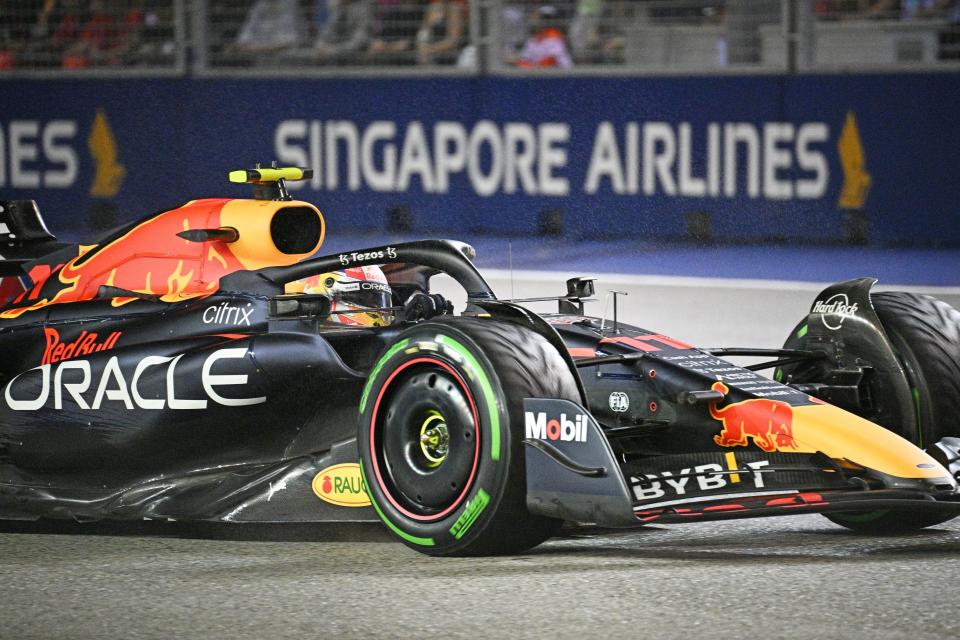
x=699 y=282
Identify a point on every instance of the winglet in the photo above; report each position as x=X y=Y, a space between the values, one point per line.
x=268 y=184
x=270 y=175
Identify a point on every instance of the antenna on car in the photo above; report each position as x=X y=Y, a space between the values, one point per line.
x=510 y=259
x=270 y=184
x=603 y=319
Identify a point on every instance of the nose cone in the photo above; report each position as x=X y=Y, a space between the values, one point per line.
x=840 y=434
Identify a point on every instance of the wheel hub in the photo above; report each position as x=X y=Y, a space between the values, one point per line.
x=434 y=438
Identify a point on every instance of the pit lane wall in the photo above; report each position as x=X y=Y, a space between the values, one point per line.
x=762 y=156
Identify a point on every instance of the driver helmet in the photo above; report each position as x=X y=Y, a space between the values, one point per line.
x=356 y=290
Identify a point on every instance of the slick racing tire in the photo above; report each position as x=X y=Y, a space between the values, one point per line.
x=925 y=334
x=440 y=435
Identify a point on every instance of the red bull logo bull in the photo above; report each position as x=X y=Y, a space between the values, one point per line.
x=768 y=423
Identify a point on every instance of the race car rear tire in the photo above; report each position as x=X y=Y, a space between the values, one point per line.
x=440 y=435
x=925 y=333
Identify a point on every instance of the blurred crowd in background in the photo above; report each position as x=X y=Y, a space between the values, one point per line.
x=329 y=33
x=83 y=33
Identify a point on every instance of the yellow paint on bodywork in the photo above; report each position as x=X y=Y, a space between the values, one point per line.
x=266 y=175
x=731 y=459
x=251 y=218
x=840 y=434
x=213 y=254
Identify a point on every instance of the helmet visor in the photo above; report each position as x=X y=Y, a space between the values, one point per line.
x=369 y=295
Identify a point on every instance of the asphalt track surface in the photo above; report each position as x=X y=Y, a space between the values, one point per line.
x=791 y=577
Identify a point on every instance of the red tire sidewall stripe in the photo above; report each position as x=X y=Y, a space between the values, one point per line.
x=476 y=450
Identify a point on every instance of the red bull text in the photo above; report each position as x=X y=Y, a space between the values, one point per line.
x=86 y=343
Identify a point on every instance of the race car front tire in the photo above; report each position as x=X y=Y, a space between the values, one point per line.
x=925 y=334
x=440 y=435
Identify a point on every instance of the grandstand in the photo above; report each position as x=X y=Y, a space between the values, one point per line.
x=470 y=37
x=713 y=121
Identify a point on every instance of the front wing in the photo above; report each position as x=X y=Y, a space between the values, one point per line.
x=574 y=474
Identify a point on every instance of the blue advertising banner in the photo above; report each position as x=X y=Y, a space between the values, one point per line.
x=765 y=157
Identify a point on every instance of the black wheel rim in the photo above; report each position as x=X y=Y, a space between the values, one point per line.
x=425 y=440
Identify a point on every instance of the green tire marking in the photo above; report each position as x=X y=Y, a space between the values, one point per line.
x=803 y=331
x=376 y=369
x=778 y=375
x=485 y=386
x=916 y=407
x=423 y=542
x=474 y=508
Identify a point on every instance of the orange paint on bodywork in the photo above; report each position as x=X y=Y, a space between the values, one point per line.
x=152 y=259
x=773 y=425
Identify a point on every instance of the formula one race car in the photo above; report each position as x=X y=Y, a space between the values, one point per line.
x=199 y=365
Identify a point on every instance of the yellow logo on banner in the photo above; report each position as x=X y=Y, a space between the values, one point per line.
x=856 y=180
x=103 y=148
